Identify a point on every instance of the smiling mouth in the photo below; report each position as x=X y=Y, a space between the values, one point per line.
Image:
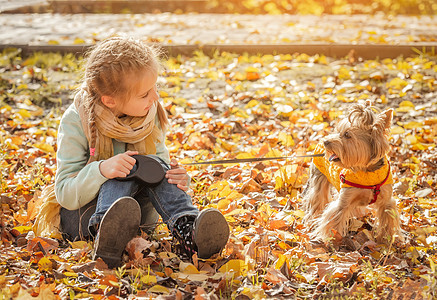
x=334 y=158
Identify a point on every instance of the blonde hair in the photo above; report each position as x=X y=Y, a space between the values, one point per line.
x=106 y=71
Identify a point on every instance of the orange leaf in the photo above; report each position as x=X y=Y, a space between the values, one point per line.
x=108 y=280
x=42 y=244
x=277 y=224
x=252 y=76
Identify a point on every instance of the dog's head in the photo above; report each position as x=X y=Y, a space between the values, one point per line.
x=361 y=139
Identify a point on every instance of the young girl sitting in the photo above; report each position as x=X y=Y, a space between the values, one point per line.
x=116 y=114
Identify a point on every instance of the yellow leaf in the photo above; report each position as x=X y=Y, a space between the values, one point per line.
x=213 y=75
x=322 y=60
x=192 y=277
x=419 y=146
x=253 y=292
x=159 y=289
x=219 y=189
x=6 y=107
x=237 y=266
x=239 y=76
x=223 y=204
x=53 y=42
x=24 y=113
x=45 y=147
x=411 y=139
x=227 y=146
x=300 y=277
x=240 y=113
x=280 y=261
x=79 y=245
x=299 y=213
x=244 y=155
x=286 y=139
x=406 y=106
x=78 y=41
x=163 y=94
x=234 y=195
x=45 y=264
x=188 y=268
x=70 y=274
x=238 y=211
x=344 y=73
x=252 y=103
x=274 y=153
x=148 y=279
x=413 y=125
x=397 y=130
x=397 y=83
x=23 y=229
x=252 y=70
x=168 y=255
x=114 y=283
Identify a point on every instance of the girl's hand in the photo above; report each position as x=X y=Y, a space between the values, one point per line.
x=178 y=175
x=119 y=165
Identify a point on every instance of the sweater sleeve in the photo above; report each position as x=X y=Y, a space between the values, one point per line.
x=76 y=183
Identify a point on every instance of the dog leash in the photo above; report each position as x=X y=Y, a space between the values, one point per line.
x=149 y=171
x=246 y=160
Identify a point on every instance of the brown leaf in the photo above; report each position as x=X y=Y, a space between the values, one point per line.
x=250 y=186
x=136 y=246
x=85 y=267
x=275 y=276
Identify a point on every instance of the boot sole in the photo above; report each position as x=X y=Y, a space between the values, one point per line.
x=118 y=226
x=211 y=232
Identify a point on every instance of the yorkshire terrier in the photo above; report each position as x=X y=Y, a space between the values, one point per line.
x=356 y=164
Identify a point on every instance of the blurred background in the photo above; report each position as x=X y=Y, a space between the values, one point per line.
x=314 y=7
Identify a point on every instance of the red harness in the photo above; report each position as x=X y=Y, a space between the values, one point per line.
x=376 y=188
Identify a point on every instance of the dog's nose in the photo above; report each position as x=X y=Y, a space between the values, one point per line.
x=326 y=143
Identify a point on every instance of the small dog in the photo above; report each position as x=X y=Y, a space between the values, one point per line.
x=356 y=163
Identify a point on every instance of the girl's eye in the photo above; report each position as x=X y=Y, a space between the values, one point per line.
x=153 y=89
x=347 y=135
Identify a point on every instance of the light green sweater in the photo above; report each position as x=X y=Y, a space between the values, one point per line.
x=73 y=192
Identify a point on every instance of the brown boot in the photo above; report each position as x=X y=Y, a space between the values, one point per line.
x=118 y=226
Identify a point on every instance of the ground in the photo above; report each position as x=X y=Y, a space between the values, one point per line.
x=232 y=106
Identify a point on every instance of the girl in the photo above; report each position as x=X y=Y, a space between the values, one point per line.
x=116 y=114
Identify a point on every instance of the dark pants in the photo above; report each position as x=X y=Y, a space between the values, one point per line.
x=165 y=200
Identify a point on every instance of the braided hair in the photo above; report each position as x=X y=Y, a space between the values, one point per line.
x=106 y=70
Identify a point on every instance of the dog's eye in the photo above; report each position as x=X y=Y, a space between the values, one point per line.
x=347 y=135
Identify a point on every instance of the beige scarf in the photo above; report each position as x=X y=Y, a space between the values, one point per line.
x=139 y=133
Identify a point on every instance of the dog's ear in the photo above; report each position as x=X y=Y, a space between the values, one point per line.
x=369 y=103
x=383 y=121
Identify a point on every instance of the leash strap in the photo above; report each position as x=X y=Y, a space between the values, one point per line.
x=245 y=160
x=376 y=188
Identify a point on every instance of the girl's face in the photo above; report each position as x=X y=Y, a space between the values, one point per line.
x=144 y=95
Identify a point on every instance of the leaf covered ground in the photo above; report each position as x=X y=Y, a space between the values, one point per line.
x=231 y=106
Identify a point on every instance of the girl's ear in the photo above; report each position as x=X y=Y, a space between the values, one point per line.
x=108 y=101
